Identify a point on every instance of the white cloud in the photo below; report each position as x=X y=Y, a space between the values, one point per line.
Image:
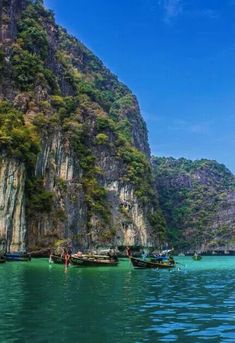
x=171 y=8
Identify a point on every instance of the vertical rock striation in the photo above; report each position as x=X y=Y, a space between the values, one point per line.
x=10 y=11
x=77 y=136
x=12 y=204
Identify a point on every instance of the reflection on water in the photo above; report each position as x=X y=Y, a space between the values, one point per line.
x=41 y=303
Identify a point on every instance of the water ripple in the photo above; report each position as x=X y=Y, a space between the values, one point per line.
x=43 y=304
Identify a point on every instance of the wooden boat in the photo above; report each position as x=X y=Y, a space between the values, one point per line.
x=93 y=261
x=57 y=259
x=197 y=257
x=140 y=263
x=18 y=257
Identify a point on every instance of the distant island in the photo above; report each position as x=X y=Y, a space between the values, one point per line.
x=198 y=202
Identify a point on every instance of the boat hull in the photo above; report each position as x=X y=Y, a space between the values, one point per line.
x=138 y=263
x=17 y=257
x=197 y=258
x=2 y=260
x=92 y=262
x=57 y=259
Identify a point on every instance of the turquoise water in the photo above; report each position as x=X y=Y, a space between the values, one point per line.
x=45 y=303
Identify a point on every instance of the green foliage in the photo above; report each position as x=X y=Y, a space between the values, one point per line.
x=158 y=223
x=17 y=139
x=120 y=106
x=123 y=131
x=45 y=125
x=96 y=197
x=138 y=171
x=25 y=68
x=107 y=235
x=52 y=81
x=103 y=97
x=95 y=194
x=36 y=10
x=101 y=139
x=32 y=37
x=191 y=193
x=28 y=68
x=39 y=200
x=104 y=124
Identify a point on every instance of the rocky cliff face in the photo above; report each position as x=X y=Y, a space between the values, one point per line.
x=74 y=149
x=198 y=200
x=12 y=203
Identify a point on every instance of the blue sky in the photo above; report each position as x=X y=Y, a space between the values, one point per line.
x=178 y=57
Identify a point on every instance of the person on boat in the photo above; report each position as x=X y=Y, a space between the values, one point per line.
x=70 y=251
x=128 y=251
x=64 y=252
x=143 y=255
x=66 y=259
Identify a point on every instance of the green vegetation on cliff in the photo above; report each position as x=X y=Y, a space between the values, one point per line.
x=17 y=139
x=191 y=195
x=55 y=88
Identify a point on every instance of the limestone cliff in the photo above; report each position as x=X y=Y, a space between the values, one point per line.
x=12 y=203
x=198 y=200
x=75 y=154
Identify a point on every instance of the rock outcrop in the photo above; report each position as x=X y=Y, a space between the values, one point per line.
x=12 y=203
x=74 y=139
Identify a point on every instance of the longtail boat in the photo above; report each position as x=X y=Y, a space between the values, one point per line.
x=93 y=261
x=58 y=259
x=18 y=257
x=197 y=257
x=152 y=263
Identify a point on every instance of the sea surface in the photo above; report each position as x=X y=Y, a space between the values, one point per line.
x=42 y=303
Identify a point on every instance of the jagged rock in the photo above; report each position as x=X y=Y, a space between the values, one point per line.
x=12 y=203
x=93 y=153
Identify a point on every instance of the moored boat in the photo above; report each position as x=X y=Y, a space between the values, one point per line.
x=197 y=257
x=18 y=257
x=93 y=261
x=152 y=263
x=57 y=259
